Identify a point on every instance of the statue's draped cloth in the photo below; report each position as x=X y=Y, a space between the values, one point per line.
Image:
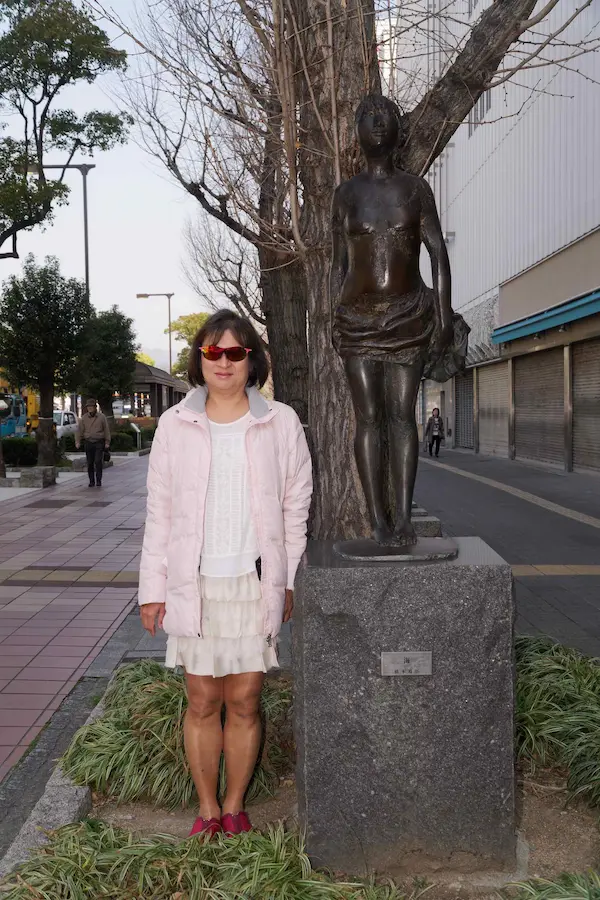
x=399 y=329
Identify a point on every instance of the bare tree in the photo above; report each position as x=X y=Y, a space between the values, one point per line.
x=266 y=92
x=223 y=268
x=210 y=110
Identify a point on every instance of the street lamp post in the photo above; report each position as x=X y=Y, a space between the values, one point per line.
x=168 y=296
x=85 y=169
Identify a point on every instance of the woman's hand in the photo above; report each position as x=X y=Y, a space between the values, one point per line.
x=152 y=614
x=289 y=605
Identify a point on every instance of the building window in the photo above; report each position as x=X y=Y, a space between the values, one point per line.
x=478 y=113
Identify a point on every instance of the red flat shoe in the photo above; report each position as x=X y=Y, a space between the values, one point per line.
x=209 y=827
x=235 y=824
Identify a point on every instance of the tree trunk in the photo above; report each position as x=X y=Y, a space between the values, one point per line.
x=281 y=277
x=46 y=439
x=284 y=305
x=339 y=507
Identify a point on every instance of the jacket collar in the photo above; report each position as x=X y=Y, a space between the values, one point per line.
x=195 y=402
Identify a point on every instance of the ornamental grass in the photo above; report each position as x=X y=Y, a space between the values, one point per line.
x=91 y=860
x=135 y=751
x=566 y=887
x=558 y=713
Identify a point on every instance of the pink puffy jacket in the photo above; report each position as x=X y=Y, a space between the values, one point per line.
x=280 y=487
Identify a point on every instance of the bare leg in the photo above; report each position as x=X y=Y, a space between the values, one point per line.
x=365 y=377
x=242 y=735
x=203 y=735
x=401 y=390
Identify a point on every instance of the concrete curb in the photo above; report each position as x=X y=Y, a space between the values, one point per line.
x=61 y=803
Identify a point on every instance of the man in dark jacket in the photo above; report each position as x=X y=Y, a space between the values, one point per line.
x=94 y=431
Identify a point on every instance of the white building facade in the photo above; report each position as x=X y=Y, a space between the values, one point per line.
x=518 y=191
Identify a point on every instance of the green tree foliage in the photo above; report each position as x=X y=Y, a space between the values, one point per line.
x=45 y=46
x=43 y=321
x=145 y=358
x=108 y=362
x=185 y=328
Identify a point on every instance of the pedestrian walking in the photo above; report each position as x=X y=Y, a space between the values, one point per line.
x=434 y=433
x=229 y=489
x=93 y=430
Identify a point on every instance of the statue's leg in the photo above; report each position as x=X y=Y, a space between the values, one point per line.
x=401 y=391
x=365 y=377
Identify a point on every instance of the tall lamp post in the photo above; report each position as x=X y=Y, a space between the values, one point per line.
x=168 y=296
x=85 y=169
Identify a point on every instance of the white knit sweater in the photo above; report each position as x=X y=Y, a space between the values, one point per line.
x=230 y=543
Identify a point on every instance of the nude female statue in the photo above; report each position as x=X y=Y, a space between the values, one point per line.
x=388 y=327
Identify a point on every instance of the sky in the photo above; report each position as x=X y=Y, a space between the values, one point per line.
x=137 y=220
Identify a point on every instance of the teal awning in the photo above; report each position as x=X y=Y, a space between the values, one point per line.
x=559 y=315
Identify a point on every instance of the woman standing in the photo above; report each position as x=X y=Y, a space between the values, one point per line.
x=434 y=433
x=229 y=483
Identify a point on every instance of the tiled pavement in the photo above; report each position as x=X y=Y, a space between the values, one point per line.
x=69 y=560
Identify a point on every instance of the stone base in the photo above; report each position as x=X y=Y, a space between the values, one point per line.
x=427 y=526
x=402 y=773
x=425 y=550
x=31 y=477
x=38 y=476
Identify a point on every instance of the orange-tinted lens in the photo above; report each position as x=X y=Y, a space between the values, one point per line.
x=233 y=354
x=212 y=353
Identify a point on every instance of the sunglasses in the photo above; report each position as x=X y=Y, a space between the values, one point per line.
x=233 y=354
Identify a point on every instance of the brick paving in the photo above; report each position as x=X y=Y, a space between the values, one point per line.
x=69 y=559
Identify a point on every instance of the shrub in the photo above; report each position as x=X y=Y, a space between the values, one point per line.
x=558 y=713
x=148 y=435
x=20 y=451
x=69 y=443
x=135 y=750
x=122 y=426
x=565 y=887
x=122 y=442
x=92 y=859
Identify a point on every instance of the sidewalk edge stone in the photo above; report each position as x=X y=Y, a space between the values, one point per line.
x=61 y=803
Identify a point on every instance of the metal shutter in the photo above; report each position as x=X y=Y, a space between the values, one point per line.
x=463 y=386
x=492 y=387
x=433 y=396
x=539 y=406
x=586 y=404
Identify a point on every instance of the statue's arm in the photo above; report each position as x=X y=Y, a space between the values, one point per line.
x=338 y=255
x=433 y=238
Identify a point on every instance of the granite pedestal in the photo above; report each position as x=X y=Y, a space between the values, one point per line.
x=401 y=773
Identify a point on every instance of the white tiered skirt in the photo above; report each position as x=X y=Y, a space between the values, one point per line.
x=232 y=639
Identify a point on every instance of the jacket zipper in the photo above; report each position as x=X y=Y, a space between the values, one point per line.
x=259 y=530
x=198 y=587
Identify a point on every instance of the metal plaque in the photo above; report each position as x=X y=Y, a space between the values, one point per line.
x=410 y=662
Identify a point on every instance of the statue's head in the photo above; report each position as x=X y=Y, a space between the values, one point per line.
x=379 y=125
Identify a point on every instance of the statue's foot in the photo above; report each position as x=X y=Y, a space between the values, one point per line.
x=404 y=535
x=382 y=534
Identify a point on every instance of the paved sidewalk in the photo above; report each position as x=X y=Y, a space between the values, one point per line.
x=69 y=559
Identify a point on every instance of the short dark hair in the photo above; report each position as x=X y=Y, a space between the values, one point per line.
x=377 y=101
x=211 y=333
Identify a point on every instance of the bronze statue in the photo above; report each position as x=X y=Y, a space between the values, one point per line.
x=389 y=328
